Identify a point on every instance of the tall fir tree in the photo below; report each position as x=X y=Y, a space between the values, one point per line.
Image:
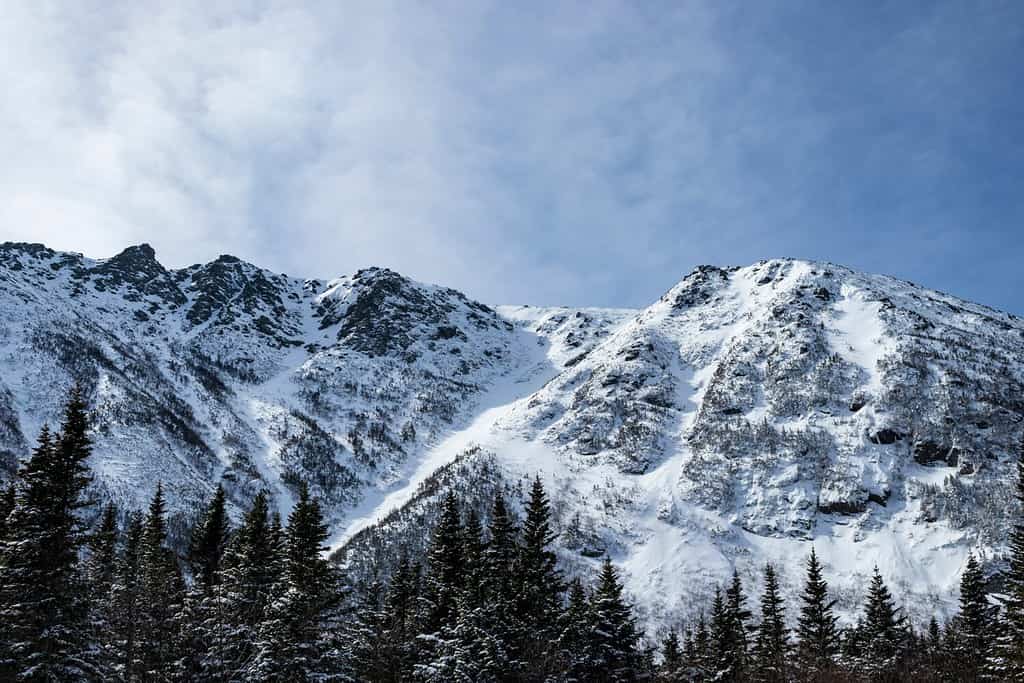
x=613 y=634
x=445 y=568
x=771 y=648
x=817 y=637
x=573 y=644
x=209 y=541
x=1008 y=658
x=974 y=623
x=126 y=599
x=671 y=667
x=7 y=498
x=43 y=603
x=541 y=588
x=880 y=639
x=100 y=568
x=162 y=592
x=292 y=643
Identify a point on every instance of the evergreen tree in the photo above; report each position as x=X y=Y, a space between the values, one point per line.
x=974 y=623
x=817 y=636
x=7 y=498
x=1008 y=659
x=162 y=594
x=126 y=598
x=881 y=637
x=724 y=666
x=613 y=634
x=293 y=644
x=100 y=575
x=739 y=615
x=540 y=596
x=43 y=602
x=671 y=658
x=573 y=644
x=772 y=644
x=445 y=568
x=250 y=569
x=209 y=541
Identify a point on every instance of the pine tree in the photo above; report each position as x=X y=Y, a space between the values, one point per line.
x=100 y=574
x=43 y=603
x=7 y=499
x=573 y=644
x=292 y=644
x=974 y=623
x=540 y=595
x=817 y=636
x=162 y=595
x=126 y=598
x=721 y=641
x=250 y=570
x=671 y=658
x=739 y=615
x=445 y=568
x=613 y=633
x=1008 y=659
x=883 y=631
x=209 y=541
x=772 y=645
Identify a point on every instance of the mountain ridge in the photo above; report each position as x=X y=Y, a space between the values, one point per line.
x=746 y=413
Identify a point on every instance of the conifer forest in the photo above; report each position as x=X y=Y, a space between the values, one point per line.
x=110 y=599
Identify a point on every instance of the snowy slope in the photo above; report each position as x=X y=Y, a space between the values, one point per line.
x=745 y=415
x=752 y=412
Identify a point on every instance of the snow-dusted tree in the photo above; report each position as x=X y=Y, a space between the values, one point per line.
x=293 y=643
x=974 y=623
x=771 y=648
x=817 y=638
x=671 y=667
x=540 y=583
x=1008 y=658
x=613 y=634
x=162 y=596
x=43 y=604
x=445 y=569
x=209 y=541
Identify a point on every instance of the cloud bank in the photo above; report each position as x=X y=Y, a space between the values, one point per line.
x=578 y=153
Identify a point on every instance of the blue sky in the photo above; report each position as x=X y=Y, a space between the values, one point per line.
x=547 y=153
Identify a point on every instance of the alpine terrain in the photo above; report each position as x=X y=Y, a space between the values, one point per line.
x=747 y=415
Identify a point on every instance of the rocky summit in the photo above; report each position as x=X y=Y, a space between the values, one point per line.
x=743 y=417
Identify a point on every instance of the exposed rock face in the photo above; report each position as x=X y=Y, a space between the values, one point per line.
x=745 y=414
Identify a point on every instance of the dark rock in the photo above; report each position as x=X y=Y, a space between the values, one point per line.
x=885 y=437
x=929 y=453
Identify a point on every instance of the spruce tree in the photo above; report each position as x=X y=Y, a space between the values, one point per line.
x=162 y=594
x=772 y=645
x=209 y=541
x=126 y=599
x=723 y=664
x=739 y=615
x=573 y=644
x=671 y=658
x=7 y=498
x=540 y=594
x=100 y=576
x=1008 y=659
x=613 y=634
x=817 y=638
x=445 y=568
x=43 y=601
x=883 y=632
x=293 y=644
x=250 y=570
x=974 y=623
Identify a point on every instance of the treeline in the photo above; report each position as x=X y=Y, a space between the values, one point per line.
x=487 y=602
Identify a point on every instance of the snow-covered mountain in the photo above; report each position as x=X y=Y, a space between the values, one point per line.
x=746 y=414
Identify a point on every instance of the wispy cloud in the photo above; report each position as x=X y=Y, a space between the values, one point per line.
x=577 y=152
